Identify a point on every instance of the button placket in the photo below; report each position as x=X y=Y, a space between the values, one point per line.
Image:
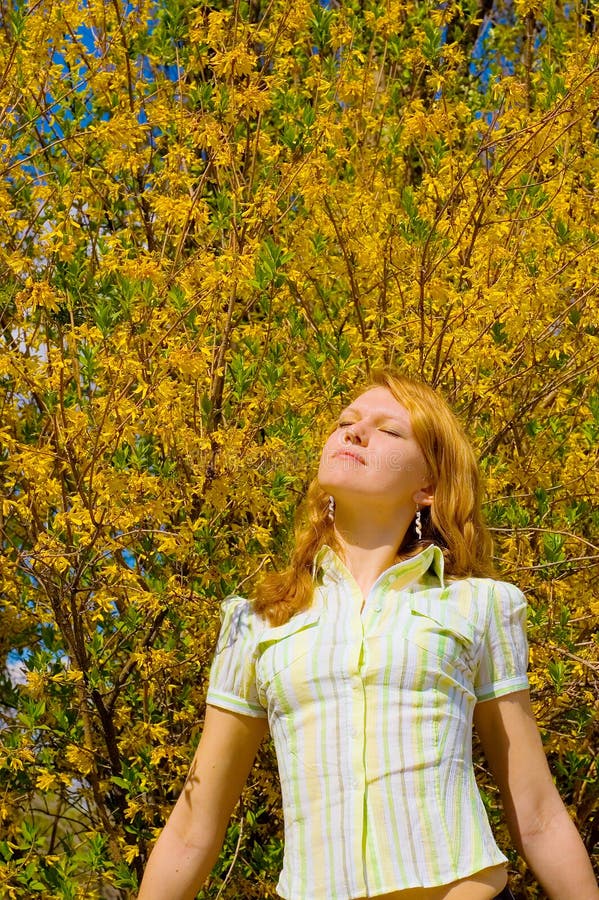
x=357 y=773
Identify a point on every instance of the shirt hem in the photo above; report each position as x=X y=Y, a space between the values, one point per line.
x=498 y=860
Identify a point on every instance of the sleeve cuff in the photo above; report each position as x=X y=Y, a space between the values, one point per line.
x=500 y=688
x=235 y=704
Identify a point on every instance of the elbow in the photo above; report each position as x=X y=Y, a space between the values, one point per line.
x=529 y=829
x=531 y=825
x=180 y=863
x=531 y=809
x=205 y=841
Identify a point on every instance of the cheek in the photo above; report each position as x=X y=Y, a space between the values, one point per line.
x=332 y=444
x=406 y=466
x=329 y=448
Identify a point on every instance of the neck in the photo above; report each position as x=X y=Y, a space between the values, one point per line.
x=369 y=545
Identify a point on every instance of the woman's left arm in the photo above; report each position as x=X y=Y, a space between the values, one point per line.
x=539 y=824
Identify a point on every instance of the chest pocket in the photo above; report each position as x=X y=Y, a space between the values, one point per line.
x=441 y=631
x=284 y=645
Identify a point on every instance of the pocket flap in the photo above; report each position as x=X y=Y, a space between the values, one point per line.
x=283 y=645
x=299 y=622
x=447 y=620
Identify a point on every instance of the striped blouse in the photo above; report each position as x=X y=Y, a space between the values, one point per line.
x=371 y=711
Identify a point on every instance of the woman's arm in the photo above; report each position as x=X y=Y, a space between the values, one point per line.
x=539 y=823
x=192 y=838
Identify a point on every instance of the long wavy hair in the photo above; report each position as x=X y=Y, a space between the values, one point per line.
x=453 y=521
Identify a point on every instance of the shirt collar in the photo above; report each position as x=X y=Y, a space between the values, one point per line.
x=330 y=564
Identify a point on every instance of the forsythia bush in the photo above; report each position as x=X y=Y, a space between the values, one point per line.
x=215 y=219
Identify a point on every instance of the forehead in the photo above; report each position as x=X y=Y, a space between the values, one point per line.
x=379 y=401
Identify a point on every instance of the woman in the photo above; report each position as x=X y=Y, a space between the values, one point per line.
x=369 y=658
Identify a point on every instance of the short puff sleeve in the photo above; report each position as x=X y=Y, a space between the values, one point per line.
x=232 y=683
x=504 y=655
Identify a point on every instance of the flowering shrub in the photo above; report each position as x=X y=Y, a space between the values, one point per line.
x=215 y=220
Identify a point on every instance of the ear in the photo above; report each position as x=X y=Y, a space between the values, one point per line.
x=425 y=496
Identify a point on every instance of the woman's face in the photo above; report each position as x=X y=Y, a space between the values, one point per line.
x=373 y=452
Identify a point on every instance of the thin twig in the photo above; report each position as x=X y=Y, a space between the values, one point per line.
x=234 y=860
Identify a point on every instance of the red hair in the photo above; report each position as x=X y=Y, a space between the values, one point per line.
x=453 y=522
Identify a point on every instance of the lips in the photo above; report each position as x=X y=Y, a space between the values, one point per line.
x=351 y=455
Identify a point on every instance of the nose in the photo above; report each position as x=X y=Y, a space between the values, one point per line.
x=354 y=434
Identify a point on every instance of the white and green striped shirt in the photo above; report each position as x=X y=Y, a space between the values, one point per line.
x=371 y=715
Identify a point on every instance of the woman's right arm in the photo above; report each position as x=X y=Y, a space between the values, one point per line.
x=191 y=840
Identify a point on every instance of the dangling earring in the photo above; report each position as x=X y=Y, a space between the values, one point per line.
x=418 y=524
x=331 y=512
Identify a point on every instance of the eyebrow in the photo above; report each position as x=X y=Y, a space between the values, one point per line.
x=379 y=415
